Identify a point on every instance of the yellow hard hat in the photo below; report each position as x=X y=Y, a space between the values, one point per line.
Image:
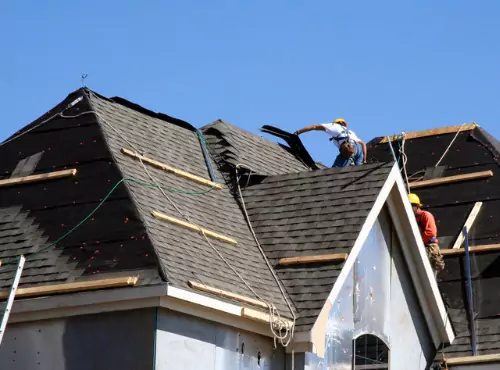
x=340 y=121
x=414 y=199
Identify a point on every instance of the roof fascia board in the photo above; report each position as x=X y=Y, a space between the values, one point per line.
x=121 y=299
x=316 y=334
x=107 y=300
x=212 y=309
x=419 y=266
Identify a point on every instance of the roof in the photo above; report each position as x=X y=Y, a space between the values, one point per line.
x=123 y=236
x=33 y=216
x=473 y=150
x=312 y=213
x=238 y=146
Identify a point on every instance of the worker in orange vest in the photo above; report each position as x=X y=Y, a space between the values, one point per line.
x=428 y=231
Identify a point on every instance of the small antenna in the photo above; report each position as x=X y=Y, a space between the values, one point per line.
x=84 y=76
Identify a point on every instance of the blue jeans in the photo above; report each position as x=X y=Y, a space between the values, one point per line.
x=356 y=159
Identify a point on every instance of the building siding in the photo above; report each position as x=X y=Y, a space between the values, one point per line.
x=377 y=298
x=189 y=343
x=118 y=340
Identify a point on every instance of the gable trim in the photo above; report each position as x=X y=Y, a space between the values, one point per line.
x=317 y=333
x=394 y=194
x=419 y=266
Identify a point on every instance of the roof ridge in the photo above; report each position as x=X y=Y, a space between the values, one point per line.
x=140 y=109
x=433 y=132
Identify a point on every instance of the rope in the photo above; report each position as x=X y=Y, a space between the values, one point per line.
x=276 y=324
x=288 y=331
x=451 y=143
x=404 y=160
x=86 y=218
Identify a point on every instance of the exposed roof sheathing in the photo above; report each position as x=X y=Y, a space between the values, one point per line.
x=473 y=150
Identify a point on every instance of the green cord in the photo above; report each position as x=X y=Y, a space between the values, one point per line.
x=140 y=182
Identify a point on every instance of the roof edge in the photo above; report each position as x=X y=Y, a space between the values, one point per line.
x=432 y=132
x=139 y=108
x=424 y=282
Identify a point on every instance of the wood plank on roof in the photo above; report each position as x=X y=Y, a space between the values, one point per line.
x=39 y=177
x=193 y=227
x=72 y=287
x=468 y=224
x=313 y=259
x=432 y=132
x=226 y=294
x=170 y=169
x=474 y=249
x=451 y=179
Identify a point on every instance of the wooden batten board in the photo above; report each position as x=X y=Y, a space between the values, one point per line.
x=313 y=259
x=170 y=169
x=226 y=294
x=433 y=132
x=475 y=249
x=39 y=177
x=187 y=225
x=468 y=224
x=72 y=287
x=468 y=360
x=451 y=179
x=259 y=316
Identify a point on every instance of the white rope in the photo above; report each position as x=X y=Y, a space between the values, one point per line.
x=451 y=143
x=292 y=329
x=277 y=324
x=405 y=160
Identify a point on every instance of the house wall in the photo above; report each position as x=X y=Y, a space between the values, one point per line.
x=377 y=298
x=118 y=340
x=189 y=343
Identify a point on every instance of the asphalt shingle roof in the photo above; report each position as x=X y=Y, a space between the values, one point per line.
x=312 y=213
x=184 y=254
x=238 y=146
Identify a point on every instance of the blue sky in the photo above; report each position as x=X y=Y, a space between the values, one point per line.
x=384 y=66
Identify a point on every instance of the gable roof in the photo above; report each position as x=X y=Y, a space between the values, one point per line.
x=471 y=150
x=312 y=213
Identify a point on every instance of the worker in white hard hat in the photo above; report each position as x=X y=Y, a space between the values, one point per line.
x=352 y=150
x=428 y=231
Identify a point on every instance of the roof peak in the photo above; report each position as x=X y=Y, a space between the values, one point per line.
x=432 y=132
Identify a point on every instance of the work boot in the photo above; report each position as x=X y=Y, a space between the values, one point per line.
x=435 y=257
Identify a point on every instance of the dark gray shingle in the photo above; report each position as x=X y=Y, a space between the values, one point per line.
x=312 y=213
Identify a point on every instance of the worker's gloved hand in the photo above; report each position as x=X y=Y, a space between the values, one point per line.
x=296 y=133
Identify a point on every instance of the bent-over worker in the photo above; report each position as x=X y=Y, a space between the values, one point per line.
x=428 y=231
x=352 y=150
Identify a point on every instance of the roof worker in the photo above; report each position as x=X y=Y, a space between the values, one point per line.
x=428 y=231
x=352 y=150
